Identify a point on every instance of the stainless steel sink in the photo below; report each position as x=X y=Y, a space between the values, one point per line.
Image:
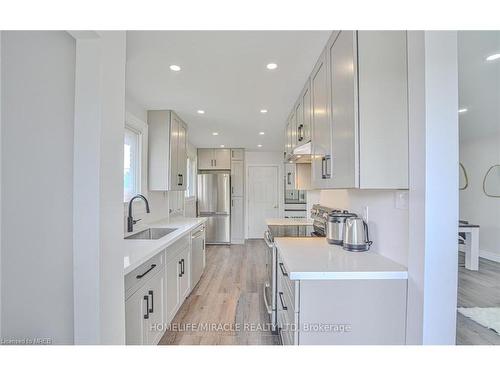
x=151 y=234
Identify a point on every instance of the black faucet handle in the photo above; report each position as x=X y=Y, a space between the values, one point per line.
x=136 y=221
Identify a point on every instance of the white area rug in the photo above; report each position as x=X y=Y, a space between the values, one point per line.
x=488 y=317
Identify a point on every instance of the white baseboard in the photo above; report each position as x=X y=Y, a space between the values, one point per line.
x=495 y=257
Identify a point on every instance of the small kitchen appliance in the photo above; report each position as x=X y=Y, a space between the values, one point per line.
x=335 y=226
x=356 y=236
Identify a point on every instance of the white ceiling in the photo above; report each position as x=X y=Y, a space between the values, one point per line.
x=223 y=73
x=479 y=84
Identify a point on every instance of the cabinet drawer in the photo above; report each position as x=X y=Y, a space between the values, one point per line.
x=177 y=246
x=284 y=282
x=135 y=278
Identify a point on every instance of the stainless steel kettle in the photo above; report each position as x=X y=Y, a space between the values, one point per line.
x=335 y=226
x=356 y=236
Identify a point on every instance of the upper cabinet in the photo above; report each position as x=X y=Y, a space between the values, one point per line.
x=303 y=116
x=214 y=158
x=358 y=112
x=167 y=151
x=321 y=134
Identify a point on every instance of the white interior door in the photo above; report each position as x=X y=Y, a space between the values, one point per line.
x=263 y=198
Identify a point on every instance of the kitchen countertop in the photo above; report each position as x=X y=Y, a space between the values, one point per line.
x=290 y=221
x=137 y=252
x=316 y=259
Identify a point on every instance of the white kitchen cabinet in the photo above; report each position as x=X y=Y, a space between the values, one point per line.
x=237 y=220
x=145 y=311
x=178 y=275
x=167 y=151
x=383 y=110
x=213 y=159
x=340 y=312
x=205 y=158
x=343 y=163
x=237 y=178
x=237 y=154
x=321 y=132
x=173 y=280
x=303 y=116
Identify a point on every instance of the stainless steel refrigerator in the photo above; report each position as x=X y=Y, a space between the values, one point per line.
x=214 y=204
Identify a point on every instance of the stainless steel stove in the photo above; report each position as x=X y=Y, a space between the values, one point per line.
x=319 y=214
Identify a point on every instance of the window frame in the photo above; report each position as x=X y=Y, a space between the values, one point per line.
x=138 y=126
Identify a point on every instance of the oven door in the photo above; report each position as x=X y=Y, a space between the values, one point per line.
x=269 y=292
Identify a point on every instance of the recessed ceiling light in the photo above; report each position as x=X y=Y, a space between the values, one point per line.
x=200 y=111
x=215 y=133
x=263 y=111
x=261 y=133
x=271 y=66
x=259 y=145
x=222 y=146
x=175 y=68
x=493 y=57
x=462 y=110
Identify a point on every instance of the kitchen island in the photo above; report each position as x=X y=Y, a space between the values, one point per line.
x=327 y=295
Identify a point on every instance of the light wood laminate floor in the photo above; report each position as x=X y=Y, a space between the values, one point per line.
x=477 y=289
x=229 y=295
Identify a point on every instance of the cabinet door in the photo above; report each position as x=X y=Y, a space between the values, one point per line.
x=293 y=132
x=222 y=158
x=172 y=295
x=237 y=220
x=237 y=154
x=343 y=83
x=290 y=174
x=237 y=174
x=206 y=158
x=175 y=124
x=185 y=278
x=383 y=121
x=197 y=258
x=135 y=310
x=299 y=119
x=182 y=155
x=155 y=291
x=306 y=114
x=321 y=163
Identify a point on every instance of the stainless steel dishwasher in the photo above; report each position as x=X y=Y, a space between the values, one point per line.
x=197 y=254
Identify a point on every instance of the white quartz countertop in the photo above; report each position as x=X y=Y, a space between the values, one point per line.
x=290 y=221
x=137 y=252
x=316 y=259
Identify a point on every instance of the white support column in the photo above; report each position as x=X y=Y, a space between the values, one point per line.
x=99 y=312
x=433 y=214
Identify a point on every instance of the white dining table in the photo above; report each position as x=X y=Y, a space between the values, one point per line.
x=471 y=232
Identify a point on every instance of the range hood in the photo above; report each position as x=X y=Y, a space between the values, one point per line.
x=302 y=153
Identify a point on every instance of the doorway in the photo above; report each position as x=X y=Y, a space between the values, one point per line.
x=263 y=198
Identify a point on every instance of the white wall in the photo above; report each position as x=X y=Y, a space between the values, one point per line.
x=265 y=158
x=433 y=214
x=388 y=225
x=38 y=71
x=479 y=92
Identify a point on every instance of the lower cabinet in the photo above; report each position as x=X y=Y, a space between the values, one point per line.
x=178 y=271
x=155 y=291
x=145 y=311
x=340 y=312
x=237 y=220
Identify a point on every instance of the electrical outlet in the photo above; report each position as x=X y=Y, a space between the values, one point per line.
x=401 y=199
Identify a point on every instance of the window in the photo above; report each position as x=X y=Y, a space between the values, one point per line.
x=191 y=177
x=131 y=164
